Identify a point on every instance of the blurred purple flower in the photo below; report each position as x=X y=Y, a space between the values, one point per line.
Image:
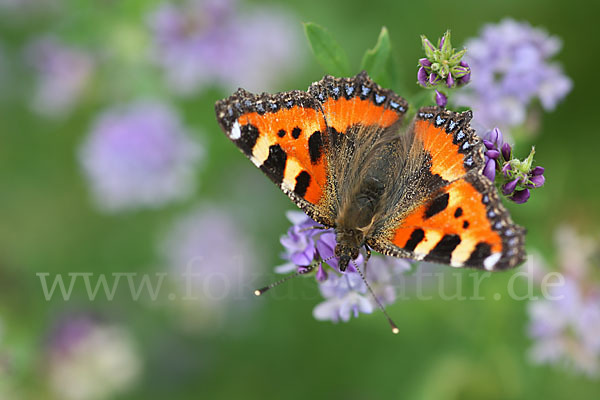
x=511 y=62
x=213 y=257
x=203 y=42
x=566 y=325
x=62 y=75
x=298 y=243
x=139 y=155
x=345 y=293
x=101 y=358
x=23 y=10
x=305 y=245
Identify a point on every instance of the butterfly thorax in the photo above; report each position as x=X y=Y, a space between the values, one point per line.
x=356 y=217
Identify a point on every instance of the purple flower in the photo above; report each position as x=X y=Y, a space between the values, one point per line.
x=517 y=176
x=510 y=187
x=440 y=99
x=463 y=72
x=345 y=292
x=536 y=181
x=492 y=141
x=422 y=77
x=565 y=326
x=512 y=63
x=62 y=75
x=212 y=259
x=442 y=65
x=299 y=243
x=24 y=11
x=101 y=357
x=490 y=169
x=506 y=151
x=200 y=43
x=304 y=245
x=520 y=196
x=346 y=295
x=139 y=155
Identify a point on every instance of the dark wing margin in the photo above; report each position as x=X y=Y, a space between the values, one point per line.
x=357 y=100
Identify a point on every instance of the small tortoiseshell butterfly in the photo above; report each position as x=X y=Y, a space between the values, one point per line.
x=338 y=153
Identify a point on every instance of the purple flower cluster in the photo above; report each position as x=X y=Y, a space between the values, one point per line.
x=213 y=258
x=63 y=74
x=442 y=67
x=512 y=68
x=516 y=177
x=101 y=357
x=345 y=292
x=139 y=155
x=203 y=42
x=566 y=324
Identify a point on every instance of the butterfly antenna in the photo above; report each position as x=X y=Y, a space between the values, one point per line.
x=303 y=271
x=395 y=329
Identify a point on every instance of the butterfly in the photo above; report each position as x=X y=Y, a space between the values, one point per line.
x=338 y=151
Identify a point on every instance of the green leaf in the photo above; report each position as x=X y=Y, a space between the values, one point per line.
x=378 y=61
x=327 y=51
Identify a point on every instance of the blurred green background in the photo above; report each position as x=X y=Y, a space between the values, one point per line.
x=273 y=347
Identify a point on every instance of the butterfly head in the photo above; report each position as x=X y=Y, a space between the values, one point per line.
x=348 y=245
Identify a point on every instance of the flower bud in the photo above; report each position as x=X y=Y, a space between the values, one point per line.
x=493 y=153
x=521 y=196
x=490 y=169
x=510 y=187
x=424 y=62
x=507 y=167
x=321 y=274
x=422 y=77
x=440 y=99
x=506 y=151
x=537 y=171
x=434 y=79
x=536 y=181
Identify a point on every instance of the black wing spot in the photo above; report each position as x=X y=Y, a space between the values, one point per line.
x=315 y=147
x=415 y=238
x=247 y=139
x=465 y=224
x=281 y=133
x=442 y=252
x=481 y=252
x=302 y=183
x=296 y=132
x=436 y=206
x=458 y=212
x=274 y=165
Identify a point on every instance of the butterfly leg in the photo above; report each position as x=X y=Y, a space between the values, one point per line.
x=313 y=227
x=367 y=257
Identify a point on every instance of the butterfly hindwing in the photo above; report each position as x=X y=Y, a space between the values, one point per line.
x=462 y=221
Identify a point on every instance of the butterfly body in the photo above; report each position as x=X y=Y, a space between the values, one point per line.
x=338 y=153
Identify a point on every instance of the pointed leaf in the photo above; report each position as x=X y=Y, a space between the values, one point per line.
x=328 y=52
x=378 y=61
